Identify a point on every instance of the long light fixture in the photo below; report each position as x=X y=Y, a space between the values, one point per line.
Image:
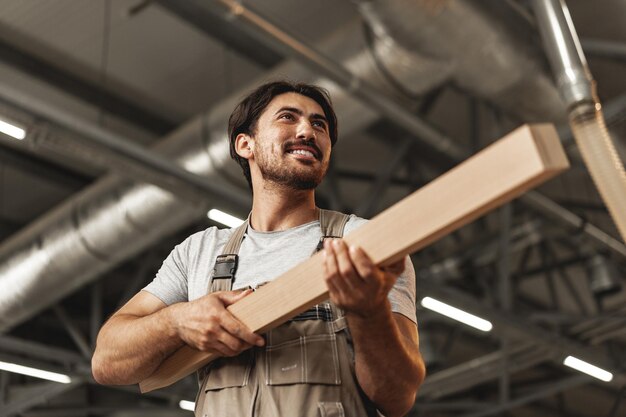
x=587 y=368
x=224 y=218
x=187 y=405
x=37 y=373
x=456 y=314
x=12 y=130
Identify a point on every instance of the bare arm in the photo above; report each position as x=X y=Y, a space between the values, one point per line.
x=389 y=366
x=136 y=339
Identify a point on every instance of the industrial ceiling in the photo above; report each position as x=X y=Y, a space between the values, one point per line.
x=117 y=96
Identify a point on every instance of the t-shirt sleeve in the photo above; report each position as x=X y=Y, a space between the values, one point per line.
x=170 y=283
x=402 y=296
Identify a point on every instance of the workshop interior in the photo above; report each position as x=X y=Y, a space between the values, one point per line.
x=114 y=149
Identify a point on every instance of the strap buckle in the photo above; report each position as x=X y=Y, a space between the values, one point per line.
x=225 y=266
x=320 y=244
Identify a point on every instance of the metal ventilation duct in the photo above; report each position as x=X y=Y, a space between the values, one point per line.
x=115 y=219
x=484 y=45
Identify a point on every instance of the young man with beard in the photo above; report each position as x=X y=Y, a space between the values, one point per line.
x=354 y=355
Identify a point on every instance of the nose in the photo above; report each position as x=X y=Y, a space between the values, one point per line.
x=305 y=131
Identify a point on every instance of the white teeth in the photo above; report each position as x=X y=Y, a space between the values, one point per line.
x=302 y=152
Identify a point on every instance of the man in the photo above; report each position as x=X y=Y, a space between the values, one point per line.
x=352 y=356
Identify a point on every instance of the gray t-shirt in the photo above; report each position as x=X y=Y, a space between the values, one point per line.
x=263 y=256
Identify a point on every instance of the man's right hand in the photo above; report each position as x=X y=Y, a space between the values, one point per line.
x=205 y=324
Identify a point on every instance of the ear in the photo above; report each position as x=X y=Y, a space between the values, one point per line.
x=244 y=146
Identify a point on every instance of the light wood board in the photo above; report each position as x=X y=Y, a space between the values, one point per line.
x=521 y=160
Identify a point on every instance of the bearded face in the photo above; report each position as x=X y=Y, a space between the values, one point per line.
x=292 y=143
x=281 y=169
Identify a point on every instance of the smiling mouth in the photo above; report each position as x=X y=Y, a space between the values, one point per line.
x=303 y=152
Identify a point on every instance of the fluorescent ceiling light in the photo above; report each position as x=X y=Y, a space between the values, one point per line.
x=187 y=405
x=456 y=314
x=588 y=368
x=37 y=373
x=12 y=130
x=224 y=218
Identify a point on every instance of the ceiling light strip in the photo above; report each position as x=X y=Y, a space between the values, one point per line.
x=34 y=372
x=456 y=314
x=12 y=130
x=187 y=405
x=587 y=368
x=224 y=218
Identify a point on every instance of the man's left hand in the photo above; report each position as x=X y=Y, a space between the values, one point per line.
x=355 y=283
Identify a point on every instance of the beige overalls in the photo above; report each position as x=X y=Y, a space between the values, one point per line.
x=306 y=367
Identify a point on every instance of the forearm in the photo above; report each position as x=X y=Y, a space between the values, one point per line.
x=129 y=348
x=388 y=367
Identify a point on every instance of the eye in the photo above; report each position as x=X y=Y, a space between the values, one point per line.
x=286 y=116
x=319 y=124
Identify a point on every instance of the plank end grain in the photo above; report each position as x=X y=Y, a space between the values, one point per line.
x=551 y=151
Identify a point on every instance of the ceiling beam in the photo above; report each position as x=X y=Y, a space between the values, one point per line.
x=480 y=370
x=8 y=227
x=547 y=391
x=574 y=204
x=204 y=20
x=41 y=168
x=369 y=206
x=85 y=90
x=38 y=394
x=604 y=48
x=74 y=332
x=516 y=326
x=44 y=356
x=39 y=351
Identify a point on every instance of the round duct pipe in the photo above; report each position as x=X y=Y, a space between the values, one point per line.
x=484 y=59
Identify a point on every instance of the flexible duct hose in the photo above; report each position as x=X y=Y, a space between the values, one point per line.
x=602 y=160
x=578 y=91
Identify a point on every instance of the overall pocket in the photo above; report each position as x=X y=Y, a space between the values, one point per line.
x=226 y=389
x=303 y=352
x=229 y=372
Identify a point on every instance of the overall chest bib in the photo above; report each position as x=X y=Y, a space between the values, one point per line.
x=306 y=367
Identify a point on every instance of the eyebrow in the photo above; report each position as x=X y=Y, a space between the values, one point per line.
x=314 y=116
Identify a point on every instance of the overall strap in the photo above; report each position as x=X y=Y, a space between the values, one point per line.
x=222 y=279
x=226 y=264
x=332 y=224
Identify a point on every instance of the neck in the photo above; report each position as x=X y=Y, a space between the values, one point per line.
x=281 y=209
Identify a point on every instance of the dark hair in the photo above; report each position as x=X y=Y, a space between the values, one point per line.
x=246 y=115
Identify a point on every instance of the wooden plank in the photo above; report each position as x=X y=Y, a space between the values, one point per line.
x=523 y=159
